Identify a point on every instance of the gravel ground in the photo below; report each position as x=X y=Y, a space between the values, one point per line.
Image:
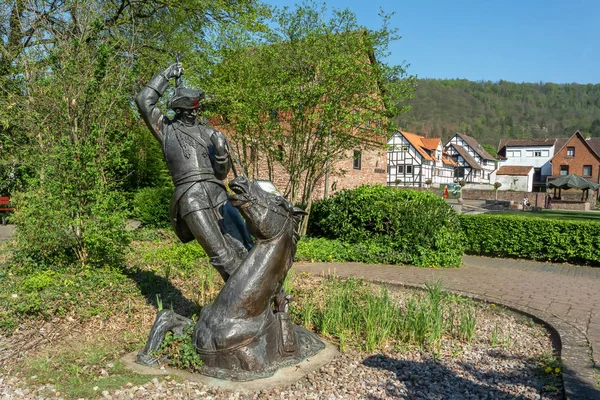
x=461 y=371
x=509 y=368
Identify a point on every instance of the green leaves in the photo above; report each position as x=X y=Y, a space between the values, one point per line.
x=313 y=87
x=405 y=226
x=532 y=238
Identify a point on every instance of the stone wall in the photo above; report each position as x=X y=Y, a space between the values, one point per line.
x=537 y=199
x=571 y=205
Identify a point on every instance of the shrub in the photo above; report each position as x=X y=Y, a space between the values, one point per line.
x=151 y=206
x=53 y=231
x=393 y=226
x=532 y=238
x=180 y=350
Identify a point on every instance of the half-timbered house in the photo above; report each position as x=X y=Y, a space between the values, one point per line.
x=417 y=161
x=474 y=164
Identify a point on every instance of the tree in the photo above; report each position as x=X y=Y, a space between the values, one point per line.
x=497 y=186
x=490 y=149
x=310 y=92
x=73 y=67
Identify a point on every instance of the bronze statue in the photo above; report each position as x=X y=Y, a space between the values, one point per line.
x=246 y=332
x=198 y=160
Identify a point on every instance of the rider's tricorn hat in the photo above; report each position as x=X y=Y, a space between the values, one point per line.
x=186 y=98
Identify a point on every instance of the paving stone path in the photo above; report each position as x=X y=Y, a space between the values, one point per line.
x=564 y=296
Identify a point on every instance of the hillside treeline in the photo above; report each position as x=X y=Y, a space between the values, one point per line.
x=490 y=111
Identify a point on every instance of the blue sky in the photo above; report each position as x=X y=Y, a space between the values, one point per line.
x=519 y=41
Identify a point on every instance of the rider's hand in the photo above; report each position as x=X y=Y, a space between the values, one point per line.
x=174 y=70
x=219 y=142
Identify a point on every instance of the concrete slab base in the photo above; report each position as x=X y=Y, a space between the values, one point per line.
x=283 y=377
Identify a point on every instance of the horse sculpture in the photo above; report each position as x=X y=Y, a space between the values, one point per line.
x=246 y=333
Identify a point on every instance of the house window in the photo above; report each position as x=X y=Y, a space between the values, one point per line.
x=402 y=147
x=570 y=151
x=400 y=169
x=409 y=170
x=459 y=172
x=587 y=170
x=537 y=153
x=564 y=170
x=513 y=153
x=357 y=159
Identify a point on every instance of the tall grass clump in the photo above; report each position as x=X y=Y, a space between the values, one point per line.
x=370 y=317
x=392 y=226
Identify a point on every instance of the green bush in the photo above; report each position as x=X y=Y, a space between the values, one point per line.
x=533 y=238
x=55 y=231
x=151 y=206
x=387 y=225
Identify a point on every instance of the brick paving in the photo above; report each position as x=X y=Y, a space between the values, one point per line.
x=564 y=296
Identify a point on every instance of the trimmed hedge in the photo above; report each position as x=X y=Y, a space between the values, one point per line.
x=383 y=224
x=498 y=235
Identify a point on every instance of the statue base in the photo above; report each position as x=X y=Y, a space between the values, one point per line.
x=308 y=345
x=286 y=375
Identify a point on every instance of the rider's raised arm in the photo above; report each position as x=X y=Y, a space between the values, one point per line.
x=147 y=98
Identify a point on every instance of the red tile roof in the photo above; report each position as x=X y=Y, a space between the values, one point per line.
x=431 y=143
x=417 y=143
x=514 y=170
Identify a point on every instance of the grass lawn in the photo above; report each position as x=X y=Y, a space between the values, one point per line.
x=560 y=214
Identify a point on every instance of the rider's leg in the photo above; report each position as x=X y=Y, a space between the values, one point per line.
x=205 y=228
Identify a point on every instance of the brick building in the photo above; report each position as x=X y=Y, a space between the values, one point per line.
x=365 y=165
x=579 y=156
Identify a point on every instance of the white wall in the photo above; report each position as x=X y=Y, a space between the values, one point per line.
x=526 y=156
x=515 y=182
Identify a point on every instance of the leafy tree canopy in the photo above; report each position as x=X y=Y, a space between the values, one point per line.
x=309 y=91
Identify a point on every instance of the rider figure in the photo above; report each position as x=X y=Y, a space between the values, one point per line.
x=198 y=160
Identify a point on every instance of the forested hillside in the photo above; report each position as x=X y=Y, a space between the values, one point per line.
x=490 y=111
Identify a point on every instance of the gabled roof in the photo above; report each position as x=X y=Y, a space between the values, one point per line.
x=431 y=143
x=560 y=143
x=466 y=156
x=514 y=170
x=593 y=144
x=447 y=160
x=525 y=143
x=477 y=148
x=572 y=181
x=417 y=142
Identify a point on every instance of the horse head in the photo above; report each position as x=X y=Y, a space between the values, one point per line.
x=266 y=214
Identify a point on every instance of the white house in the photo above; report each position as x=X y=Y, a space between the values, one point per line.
x=535 y=153
x=474 y=164
x=415 y=160
x=516 y=178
